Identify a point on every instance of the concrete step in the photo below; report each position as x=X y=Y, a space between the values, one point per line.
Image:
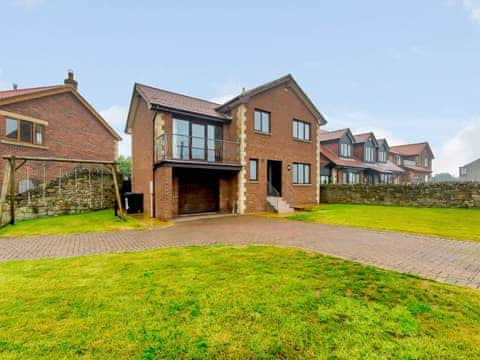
x=279 y=204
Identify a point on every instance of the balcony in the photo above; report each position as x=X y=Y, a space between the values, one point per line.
x=205 y=152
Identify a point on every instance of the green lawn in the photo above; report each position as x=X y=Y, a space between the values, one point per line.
x=461 y=224
x=96 y=221
x=224 y=302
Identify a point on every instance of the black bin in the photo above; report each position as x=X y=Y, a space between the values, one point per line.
x=133 y=202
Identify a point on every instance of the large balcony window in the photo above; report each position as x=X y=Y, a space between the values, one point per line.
x=194 y=141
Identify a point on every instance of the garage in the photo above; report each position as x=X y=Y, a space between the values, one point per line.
x=198 y=192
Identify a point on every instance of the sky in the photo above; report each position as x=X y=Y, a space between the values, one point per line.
x=408 y=70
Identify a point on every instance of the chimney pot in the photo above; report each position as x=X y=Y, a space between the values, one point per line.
x=15 y=86
x=70 y=80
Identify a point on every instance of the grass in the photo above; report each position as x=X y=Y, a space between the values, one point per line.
x=97 y=221
x=227 y=302
x=462 y=224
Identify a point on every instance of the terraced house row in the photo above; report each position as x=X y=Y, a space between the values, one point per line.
x=363 y=159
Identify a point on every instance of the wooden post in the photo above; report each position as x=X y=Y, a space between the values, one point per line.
x=13 y=190
x=3 y=195
x=117 y=192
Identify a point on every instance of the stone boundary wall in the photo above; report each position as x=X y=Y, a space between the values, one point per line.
x=454 y=195
x=74 y=193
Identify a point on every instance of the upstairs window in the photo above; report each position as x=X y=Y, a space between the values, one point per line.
x=398 y=159
x=369 y=153
x=24 y=131
x=262 y=121
x=463 y=171
x=382 y=156
x=346 y=150
x=425 y=162
x=301 y=130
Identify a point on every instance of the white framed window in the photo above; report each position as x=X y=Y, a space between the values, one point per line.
x=253 y=170
x=382 y=156
x=463 y=171
x=346 y=150
x=301 y=173
x=301 y=130
x=262 y=121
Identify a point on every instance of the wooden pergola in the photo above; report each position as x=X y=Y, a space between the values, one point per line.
x=16 y=162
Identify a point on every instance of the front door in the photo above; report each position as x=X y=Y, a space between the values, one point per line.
x=274 y=178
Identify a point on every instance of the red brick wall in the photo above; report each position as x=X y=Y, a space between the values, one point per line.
x=284 y=106
x=142 y=153
x=72 y=131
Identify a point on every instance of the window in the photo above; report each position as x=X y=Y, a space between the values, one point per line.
x=346 y=150
x=253 y=173
x=425 y=162
x=350 y=178
x=398 y=159
x=463 y=171
x=24 y=131
x=382 y=156
x=301 y=173
x=196 y=141
x=262 y=121
x=369 y=153
x=301 y=130
x=12 y=129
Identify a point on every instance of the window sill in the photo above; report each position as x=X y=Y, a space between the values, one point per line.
x=254 y=181
x=262 y=133
x=303 y=141
x=16 y=143
x=302 y=185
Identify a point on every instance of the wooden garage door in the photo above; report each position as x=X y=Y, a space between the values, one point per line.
x=198 y=193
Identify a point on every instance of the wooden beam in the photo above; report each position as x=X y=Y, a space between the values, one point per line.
x=39 y=158
x=13 y=189
x=3 y=195
x=117 y=193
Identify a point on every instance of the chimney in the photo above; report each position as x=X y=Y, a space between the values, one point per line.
x=70 y=80
x=15 y=86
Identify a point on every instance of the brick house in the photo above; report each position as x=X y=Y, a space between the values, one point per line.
x=356 y=159
x=416 y=161
x=53 y=121
x=256 y=152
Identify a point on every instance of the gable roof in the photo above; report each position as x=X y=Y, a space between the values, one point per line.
x=330 y=155
x=474 y=162
x=175 y=101
x=383 y=142
x=335 y=134
x=19 y=95
x=284 y=80
x=363 y=137
x=12 y=93
x=411 y=149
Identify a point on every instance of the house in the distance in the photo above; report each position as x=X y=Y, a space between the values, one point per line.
x=256 y=152
x=415 y=159
x=53 y=121
x=470 y=171
x=356 y=159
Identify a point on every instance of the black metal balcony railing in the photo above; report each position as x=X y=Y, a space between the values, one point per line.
x=193 y=148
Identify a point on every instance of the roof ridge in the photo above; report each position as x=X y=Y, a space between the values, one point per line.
x=32 y=88
x=176 y=93
x=419 y=143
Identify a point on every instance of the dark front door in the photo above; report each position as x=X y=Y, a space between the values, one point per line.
x=197 y=193
x=274 y=178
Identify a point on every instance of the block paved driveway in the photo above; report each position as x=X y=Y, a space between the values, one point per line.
x=451 y=261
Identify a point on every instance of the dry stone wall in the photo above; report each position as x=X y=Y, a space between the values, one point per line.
x=455 y=195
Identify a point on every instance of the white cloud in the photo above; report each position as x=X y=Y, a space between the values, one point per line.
x=116 y=116
x=459 y=150
x=226 y=91
x=29 y=4
x=473 y=8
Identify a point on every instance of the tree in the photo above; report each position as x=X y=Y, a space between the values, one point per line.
x=444 y=177
x=125 y=165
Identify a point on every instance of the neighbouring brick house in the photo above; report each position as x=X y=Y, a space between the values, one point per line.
x=356 y=159
x=470 y=171
x=416 y=161
x=257 y=151
x=53 y=121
